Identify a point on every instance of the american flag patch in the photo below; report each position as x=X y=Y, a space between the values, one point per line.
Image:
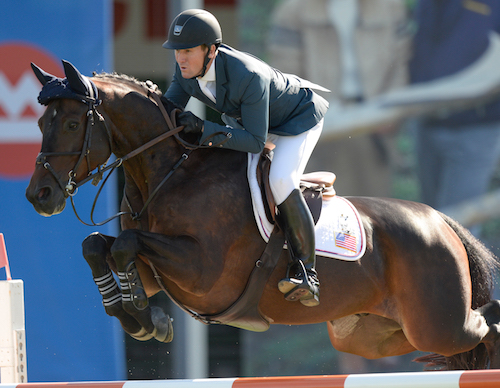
x=345 y=241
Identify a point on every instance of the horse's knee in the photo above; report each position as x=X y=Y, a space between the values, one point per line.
x=92 y=246
x=94 y=250
x=124 y=248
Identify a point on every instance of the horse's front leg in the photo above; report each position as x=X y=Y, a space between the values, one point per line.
x=134 y=298
x=96 y=250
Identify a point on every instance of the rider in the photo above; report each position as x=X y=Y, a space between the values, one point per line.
x=257 y=103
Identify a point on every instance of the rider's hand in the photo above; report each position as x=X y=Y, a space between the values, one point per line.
x=192 y=124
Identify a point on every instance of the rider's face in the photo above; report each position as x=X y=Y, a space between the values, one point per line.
x=191 y=60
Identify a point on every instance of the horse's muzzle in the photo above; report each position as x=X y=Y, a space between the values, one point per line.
x=46 y=200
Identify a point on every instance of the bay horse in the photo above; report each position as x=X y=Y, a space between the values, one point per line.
x=424 y=282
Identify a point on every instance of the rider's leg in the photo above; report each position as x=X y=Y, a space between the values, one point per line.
x=291 y=155
x=301 y=282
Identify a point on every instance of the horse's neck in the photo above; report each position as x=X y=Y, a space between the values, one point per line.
x=137 y=120
x=133 y=124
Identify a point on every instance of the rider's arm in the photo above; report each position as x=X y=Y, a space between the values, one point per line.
x=254 y=91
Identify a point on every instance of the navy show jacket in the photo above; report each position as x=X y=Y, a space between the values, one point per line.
x=262 y=99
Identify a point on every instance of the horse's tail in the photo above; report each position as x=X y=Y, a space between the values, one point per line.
x=483 y=265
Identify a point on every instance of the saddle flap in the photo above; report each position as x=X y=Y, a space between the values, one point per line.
x=339 y=231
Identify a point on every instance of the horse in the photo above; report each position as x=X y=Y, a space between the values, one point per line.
x=424 y=282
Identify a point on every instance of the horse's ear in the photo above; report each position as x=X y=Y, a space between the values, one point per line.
x=42 y=76
x=76 y=80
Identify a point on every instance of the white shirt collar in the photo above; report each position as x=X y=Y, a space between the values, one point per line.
x=209 y=74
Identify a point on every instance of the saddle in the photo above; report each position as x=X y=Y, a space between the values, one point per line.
x=314 y=187
x=244 y=313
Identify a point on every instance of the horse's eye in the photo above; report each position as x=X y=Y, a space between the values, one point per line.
x=72 y=125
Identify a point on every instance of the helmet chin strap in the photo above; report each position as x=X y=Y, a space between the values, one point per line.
x=205 y=64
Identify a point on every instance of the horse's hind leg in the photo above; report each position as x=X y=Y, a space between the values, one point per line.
x=368 y=335
x=134 y=298
x=491 y=313
x=96 y=250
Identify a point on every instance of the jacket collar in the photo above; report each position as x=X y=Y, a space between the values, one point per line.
x=221 y=80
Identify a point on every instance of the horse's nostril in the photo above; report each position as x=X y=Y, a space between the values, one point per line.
x=43 y=193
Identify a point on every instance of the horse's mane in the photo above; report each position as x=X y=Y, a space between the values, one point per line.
x=135 y=82
x=126 y=78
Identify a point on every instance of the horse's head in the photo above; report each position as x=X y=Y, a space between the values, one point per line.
x=75 y=140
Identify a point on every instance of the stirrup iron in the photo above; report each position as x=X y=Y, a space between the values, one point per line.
x=299 y=287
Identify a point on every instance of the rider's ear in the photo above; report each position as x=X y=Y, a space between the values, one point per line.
x=211 y=51
x=42 y=76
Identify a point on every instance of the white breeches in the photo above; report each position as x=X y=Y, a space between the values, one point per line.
x=291 y=155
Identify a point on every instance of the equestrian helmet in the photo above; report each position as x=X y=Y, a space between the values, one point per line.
x=192 y=28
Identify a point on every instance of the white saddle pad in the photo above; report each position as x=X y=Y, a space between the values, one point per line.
x=339 y=232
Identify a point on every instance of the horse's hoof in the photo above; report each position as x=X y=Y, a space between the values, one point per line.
x=164 y=331
x=142 y=335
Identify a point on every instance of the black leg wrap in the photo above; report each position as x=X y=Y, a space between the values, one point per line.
x=108 y=288
x=133 y=291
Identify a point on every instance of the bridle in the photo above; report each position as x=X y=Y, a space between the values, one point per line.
x=70 y=188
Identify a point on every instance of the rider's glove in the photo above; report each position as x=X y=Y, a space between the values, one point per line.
x=192 y=124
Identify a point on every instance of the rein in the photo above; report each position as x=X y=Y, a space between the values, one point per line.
x=71 y=187
x=173 y=131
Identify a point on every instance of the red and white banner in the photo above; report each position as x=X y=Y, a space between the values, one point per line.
x=447 y=379
x=19 y=109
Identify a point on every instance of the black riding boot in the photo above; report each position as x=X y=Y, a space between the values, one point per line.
x=301 y=282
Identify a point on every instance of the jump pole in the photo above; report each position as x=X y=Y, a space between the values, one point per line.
x=448 y=379
x=12 y=331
